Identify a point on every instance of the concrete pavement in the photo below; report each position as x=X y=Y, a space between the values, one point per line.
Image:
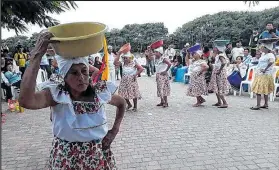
x=178 y=137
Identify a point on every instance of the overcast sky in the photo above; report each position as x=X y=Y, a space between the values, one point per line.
x=173 y=14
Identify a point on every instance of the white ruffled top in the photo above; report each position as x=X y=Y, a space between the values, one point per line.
x=77 y=121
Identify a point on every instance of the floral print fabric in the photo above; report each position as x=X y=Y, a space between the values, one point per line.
x=163 y=85
x=219 y=83
x=80 y=156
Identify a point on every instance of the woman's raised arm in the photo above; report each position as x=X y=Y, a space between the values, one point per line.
x=28 y=98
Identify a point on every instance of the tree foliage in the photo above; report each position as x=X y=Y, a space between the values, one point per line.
x=15 y=15
x=234 y=26
x=139 y=35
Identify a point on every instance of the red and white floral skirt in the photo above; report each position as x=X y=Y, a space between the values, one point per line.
x=163 y=85
x=66 y=155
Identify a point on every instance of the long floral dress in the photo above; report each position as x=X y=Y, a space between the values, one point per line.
x=219 y=83
x=129 y=88
x=197 y=84
x=163 y=82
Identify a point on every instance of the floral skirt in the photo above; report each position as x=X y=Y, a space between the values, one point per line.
x=263 y=84
x=197 y=85
x=163 y=85
x=219 y=83
x=66 y=155
x=129 y=88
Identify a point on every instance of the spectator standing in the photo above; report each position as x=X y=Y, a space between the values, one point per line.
x=170 y=52
x=111 y=64
x=237 y=51
x=184 y=53
x=254 y=38
x=270 y=32
x=228 y=51
x=149 y=61
x=44 y=65
x=20 y=58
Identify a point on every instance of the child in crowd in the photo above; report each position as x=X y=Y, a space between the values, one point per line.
x=239 y=66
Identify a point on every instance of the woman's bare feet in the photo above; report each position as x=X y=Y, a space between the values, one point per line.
x=202 y=100
x=197 y=105
x=129 y=107
x=217 y=104
x=165 y=105
x=223 y=106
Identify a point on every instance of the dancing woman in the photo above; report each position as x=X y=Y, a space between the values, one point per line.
x=81 y=136
x=219 y=83
x=129 y=88
x=197 y=85
x=263 y=83
x=162 y=65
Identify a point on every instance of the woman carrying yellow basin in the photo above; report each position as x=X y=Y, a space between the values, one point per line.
x=81 y=136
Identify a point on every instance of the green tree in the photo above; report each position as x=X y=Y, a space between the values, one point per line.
x=234 y=26
x=16 y=14
x=138 y=35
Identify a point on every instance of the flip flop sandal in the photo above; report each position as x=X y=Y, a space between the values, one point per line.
x=223 y=106
x=264 y=107
x=160 y=104
x=217 y=104
x=254 y=108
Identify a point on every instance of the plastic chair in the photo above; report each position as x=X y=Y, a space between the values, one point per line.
x=15 y=92
x=249 y=80
x=41 y=77
x=276 y=83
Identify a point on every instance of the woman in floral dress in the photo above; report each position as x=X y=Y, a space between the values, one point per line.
x=162 y=65
x=79 y=123
x=219 y=83
x=197 y=85
x=129 y=88
x=263 y=83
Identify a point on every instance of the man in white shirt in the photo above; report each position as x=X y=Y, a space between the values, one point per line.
x=44 y=65
x=112 y=75
x=237 y=51
x=170 y=52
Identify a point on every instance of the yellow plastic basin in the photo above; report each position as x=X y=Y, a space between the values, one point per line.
x=78 y=39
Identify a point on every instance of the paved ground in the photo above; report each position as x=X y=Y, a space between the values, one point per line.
x=179 y=137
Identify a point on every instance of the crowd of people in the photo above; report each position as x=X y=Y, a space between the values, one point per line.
x=13 y=66
x=81 y=136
